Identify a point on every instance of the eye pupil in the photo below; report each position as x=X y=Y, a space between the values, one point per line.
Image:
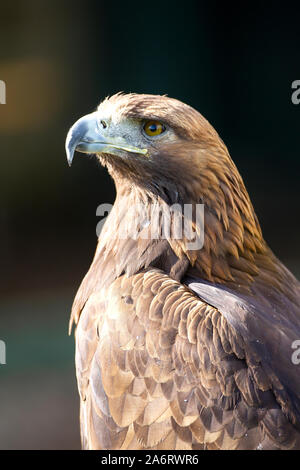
x=153 y=127
x=104 y=125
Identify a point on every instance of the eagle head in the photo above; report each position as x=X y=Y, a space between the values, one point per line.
x=151 y=139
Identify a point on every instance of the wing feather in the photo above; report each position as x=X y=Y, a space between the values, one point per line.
x=162 y=367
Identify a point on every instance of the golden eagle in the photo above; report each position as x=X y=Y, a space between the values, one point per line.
x=177 y=346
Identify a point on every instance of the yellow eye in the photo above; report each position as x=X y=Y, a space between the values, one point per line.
x=153 y=128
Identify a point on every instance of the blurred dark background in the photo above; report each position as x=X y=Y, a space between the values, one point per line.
x=59 y=59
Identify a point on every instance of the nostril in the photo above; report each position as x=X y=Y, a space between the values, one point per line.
x=104 y=125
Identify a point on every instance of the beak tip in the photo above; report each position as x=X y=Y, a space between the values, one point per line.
x=70 y=153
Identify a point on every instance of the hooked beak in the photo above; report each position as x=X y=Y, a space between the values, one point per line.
x=85 y=136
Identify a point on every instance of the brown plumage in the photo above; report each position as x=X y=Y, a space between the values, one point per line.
x=179 y=348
